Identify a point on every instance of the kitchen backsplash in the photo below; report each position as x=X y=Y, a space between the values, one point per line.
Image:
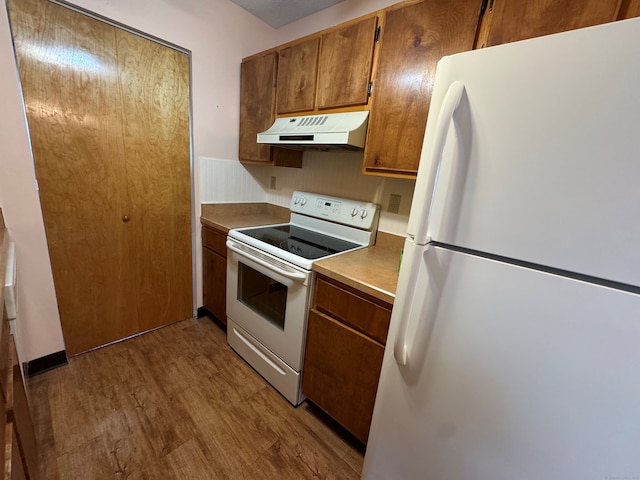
x=337 y=174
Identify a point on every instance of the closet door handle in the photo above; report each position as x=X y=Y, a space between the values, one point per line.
x=125 y=218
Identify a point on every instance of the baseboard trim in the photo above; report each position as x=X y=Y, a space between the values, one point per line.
x=46 y=363
x=203 y=312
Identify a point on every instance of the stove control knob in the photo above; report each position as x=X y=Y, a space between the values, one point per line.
x=363 y=213
x=354 y=212
x=303 y=201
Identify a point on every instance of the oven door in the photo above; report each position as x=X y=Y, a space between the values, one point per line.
x=268 y=298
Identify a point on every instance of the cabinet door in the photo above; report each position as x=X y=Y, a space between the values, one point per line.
x=158 y=170
x=214 y=281
x=13 y=468
x=19 y=414
x=257 y=112
x=297 y=72
x=512 y=21
x=413 y=39
x=344 y=68
x=341 y=371
x=257 y=105
x=629 y=9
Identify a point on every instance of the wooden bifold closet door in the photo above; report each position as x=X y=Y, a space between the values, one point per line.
x=108 y=115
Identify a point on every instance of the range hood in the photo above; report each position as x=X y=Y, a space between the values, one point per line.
x=333 y=131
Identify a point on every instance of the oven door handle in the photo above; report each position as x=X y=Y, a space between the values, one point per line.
x=292 y=274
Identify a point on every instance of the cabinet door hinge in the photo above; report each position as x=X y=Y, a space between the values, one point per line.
x=376 y=36
x=485 y=4
x=370 y=89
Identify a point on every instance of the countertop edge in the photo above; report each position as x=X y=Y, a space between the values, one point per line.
x=373 y=270
x=358 y=284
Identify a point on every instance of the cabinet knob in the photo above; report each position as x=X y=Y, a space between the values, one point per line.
x=125 y=218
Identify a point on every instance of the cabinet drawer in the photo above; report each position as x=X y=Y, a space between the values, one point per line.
x=214 y=240
x=341 y=372
x=357 y=312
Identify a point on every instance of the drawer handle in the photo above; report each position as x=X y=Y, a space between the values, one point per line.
x=292 y=274
x=255 y=349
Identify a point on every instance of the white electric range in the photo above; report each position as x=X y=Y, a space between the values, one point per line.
x=270 y=279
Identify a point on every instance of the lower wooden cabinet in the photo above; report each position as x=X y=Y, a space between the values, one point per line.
x=214 y=272
x=13 y=468
x=346 y=333
x=20 y=455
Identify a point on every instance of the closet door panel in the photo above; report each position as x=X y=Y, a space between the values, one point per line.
x=155 y=115
x=68 y=70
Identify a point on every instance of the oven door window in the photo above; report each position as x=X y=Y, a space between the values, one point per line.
x=262 y=294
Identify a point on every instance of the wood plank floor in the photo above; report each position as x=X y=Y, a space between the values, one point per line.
x=178 y=403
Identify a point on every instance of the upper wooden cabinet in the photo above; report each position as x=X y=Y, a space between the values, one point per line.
x=414 y=38
x=297 y=75
x=344 y=68
x=257 y=113
x=331 y=69
x=507 y=21
x=257 y=103
x=629 y=9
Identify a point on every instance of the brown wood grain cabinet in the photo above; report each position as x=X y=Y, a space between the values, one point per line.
x=507 y=21
x=297 y=76
x=214 y=272
x=13 y=467
x=345 y=64
x=629 y=9
x=18 y=435
x=257 y=113
x=346 y=334
x=332 y=69
x=414 y=38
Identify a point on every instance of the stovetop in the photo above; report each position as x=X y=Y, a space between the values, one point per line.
x=320 y=226
x=300 y=241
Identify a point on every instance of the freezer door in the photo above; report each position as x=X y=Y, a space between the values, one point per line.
x=513 y=373
x=541 y=162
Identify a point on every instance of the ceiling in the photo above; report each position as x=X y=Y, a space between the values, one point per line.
x=278 y=13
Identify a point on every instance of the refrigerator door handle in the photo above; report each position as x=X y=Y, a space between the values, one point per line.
x=407 y=281
x=403 y=302
x=445 y=116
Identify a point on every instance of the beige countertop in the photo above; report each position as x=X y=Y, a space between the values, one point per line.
x=372 y=270
x=225 y=216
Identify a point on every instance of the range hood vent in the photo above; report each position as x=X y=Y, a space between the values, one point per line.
x=333 y=131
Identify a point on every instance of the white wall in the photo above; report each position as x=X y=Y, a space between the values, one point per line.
x=336 y=174
x=342 y=12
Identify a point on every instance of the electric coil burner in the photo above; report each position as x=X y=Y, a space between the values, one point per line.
x=269 y=280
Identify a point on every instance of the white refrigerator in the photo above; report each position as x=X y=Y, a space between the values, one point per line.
x=514 y=345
